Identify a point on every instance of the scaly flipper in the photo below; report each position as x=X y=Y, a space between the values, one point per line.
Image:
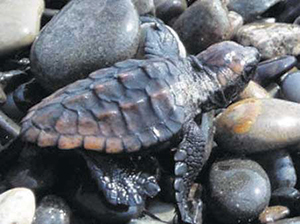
x=189 y=160
x=122 y=180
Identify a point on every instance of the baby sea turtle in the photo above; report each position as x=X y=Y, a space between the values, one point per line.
x=137 y=106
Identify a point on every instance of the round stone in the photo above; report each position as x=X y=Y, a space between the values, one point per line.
x=290 y=87
x=17 y=206
x=167 y=10
x=273 y=213
x=83 y=37
x=258 y=125
x=52 y=210
x=239 y=190
x=144 y=6
x=19 y=24
x=203 y=23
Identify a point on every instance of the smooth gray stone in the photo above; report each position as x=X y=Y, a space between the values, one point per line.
x=52 y=210
x=279 y=167
x=19 y=24
x=258 y=125
x=83 y=37
x=204 y=23
x=250 y=9
x=144 y=7
x=239 y=190
x=168 y=10
x=271 y=39
x=17 y=206
x=290 y=87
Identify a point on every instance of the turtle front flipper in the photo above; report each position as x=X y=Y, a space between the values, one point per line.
x=124 y=181
x=160 y=40
x=189 y=159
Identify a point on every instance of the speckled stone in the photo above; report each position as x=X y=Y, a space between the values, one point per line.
x=203 y=23
x=19 y=23
x=239 y=190
x=271 y=39
x=258 y=125
x=290 y=87
x=273 y=213
x=254 y=90
x=52 y=210
x=17 y=206
x=83 y=37
x=250 y=9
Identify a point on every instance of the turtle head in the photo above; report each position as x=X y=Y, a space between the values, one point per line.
x=232 y=66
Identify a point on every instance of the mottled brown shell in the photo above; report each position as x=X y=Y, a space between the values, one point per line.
x=119 y=109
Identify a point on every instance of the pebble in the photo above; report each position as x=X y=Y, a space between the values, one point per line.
x=144 y=7
x=52 y=210
x=273 y=213
x=84 y=36
x=258 y=125
x=250 y=9
x=279 y=167
x=163 y=211
x=17 y=206
x=170 y=9
x=236 y=22
x=290 y=87
x=272 y=69
x=239 y=190
x=203 y=23
x=290 y=11
x=19 y=24
x=289 y=197
x=295 y=220
x=254 y=90
x=271 y=39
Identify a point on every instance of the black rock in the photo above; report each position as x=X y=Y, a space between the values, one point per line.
x=239 y=190
x=83 y=37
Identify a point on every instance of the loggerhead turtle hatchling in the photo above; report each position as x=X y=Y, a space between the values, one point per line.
x=137 y=106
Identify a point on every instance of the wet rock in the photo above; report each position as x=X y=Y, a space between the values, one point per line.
x=290 y=87
x=239 y=190
x=144 y=7
x=250 y=9
x=84 y=36
x=289 y=197
x=167 y=10
x=19 y=24
x=161 y=210
x=279 y=167
x=203 y=24
x=274 y=90
x=236 y=22
x=254 y=90
x=290 y=11
x=258 y=125
x=52 y=210
x=271 y=39
x=17 y=206
x=271 y=70
x=273 y=213
x=295 y=220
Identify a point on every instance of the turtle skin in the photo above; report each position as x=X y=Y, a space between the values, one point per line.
x=125 y=108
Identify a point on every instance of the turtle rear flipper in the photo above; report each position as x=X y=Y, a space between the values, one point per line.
x=160 y=40
x=123 y=181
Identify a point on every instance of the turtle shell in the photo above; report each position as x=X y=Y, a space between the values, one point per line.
x=124 y=108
